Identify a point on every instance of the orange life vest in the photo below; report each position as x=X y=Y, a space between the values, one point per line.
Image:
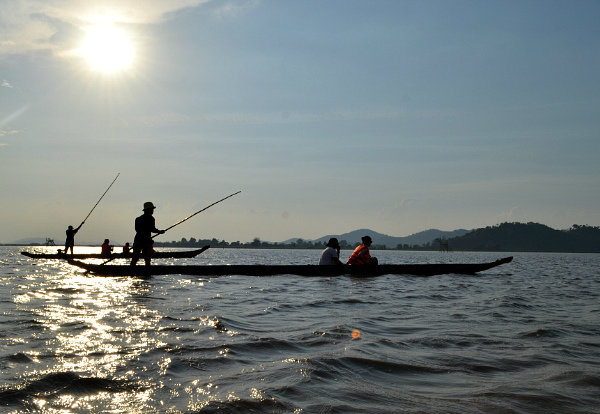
x=355 y=259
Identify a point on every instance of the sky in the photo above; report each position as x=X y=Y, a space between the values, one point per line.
x=329 y=116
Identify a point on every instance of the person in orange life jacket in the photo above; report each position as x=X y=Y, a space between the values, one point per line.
x=361 y=255
x=106 y=248
x=144 y=227
x=331 y=254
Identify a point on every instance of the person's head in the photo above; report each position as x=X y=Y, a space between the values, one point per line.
x=333 y=242
x=149 y=207
x=70 y=227
x=106 y=241
x=366 y=240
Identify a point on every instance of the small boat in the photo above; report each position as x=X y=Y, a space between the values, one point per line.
x=300 y=270
x=155 y=255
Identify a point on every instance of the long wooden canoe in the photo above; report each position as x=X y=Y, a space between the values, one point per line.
x=301 y=270
x=157 y=255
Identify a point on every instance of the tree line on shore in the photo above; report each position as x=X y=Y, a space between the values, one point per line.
x=512 y=237
x=508 y=237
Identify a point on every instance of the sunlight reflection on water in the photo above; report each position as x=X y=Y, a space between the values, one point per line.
x=89 y=325
x=79 y=343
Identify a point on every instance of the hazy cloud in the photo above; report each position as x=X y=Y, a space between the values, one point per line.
x=6 y=84
x=5 y=133
x=161 y=120
x=11 y=132
x=41 y=24
x=230 y=8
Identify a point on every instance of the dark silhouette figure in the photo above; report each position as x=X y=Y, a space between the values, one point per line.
x=126 y=248
x=144 y=227
x=106 y=248
x=70 y=242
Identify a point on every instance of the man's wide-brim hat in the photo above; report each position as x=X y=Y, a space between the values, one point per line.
x=148 y=205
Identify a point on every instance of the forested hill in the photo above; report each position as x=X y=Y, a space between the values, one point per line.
x=529 y=237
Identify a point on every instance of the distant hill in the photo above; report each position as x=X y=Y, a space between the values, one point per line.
x=390 y=242
x=33 y=241
x=529 y=237
x=508 y=237
x=505 y=237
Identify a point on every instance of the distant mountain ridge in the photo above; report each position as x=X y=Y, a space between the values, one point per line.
x=529 y=237
x=515 y=237
x=391 y=242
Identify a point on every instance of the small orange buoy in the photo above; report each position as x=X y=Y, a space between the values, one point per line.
x=356 y=334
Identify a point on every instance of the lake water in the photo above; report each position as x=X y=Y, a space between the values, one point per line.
x=520 y=338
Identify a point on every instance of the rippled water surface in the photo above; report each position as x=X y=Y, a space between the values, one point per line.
x=520 y=338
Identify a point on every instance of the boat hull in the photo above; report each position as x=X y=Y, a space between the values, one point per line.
x=155 y=255
x=300 y=270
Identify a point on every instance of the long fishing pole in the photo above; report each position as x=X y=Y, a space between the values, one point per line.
x=111 y=184
x=181 y=221
x=197 y=212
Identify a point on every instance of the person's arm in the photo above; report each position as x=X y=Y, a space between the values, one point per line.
x=336 y=259
x=155 y=230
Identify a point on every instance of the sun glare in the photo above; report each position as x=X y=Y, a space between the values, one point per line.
x=107 y=48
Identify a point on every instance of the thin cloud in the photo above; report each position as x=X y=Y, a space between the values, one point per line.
x=271 y=117
x=6 y=84
x=11 y=132
x=231 y=9
x=33 y=25
x=5 y=133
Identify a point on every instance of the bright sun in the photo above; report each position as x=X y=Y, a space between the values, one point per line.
x=107 y=48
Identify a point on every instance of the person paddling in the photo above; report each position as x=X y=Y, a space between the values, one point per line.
x=70 y=242
x=144 y=227
x=361 y=255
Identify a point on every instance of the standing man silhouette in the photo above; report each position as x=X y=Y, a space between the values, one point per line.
x=144 y=227
x=70 y=242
